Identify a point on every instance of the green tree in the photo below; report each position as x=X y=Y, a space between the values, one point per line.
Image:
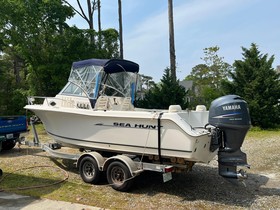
x=28 y=31
x=88 y=14
x=12 y=93
x=35 y=32
x=258 y=83
x=207 y=78
x=167 y=92
x=73 y=45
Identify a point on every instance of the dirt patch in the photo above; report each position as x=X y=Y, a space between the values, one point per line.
x=201 y=188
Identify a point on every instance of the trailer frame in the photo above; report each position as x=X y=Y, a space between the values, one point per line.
x=121 y=169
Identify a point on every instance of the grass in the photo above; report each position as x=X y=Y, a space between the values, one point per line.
x=15 y=180
x=256 y=132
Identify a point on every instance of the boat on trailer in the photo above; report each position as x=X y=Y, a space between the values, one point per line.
x=95 y=112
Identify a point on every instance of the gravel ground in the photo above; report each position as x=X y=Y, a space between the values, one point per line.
x=202 y=188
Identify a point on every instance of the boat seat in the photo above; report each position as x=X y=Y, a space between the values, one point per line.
x=102 y=103
x=126 y=104
x=174 y=108
x=200 y=108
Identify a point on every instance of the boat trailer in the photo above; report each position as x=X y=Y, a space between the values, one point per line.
x=121 y=169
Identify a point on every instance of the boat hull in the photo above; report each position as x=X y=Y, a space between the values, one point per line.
x=134 y=132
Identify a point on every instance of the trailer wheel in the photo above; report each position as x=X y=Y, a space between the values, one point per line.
x=8 y=145
x=119 y=176
x=89 y=170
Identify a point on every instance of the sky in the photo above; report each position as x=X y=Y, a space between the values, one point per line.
x=198 y=24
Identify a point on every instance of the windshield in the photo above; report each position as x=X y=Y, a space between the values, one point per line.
x=84 y=81
x=120 y=84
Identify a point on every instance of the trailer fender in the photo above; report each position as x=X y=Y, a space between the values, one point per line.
x=132 y=166
x=98 y=158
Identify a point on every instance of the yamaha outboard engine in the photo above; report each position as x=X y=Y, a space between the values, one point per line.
x=230 y=115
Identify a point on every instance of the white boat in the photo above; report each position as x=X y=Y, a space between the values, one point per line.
x=95 y=111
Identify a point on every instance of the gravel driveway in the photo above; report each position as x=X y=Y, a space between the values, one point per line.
x=201 y=188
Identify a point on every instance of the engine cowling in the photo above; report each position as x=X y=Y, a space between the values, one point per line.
x=230 y=115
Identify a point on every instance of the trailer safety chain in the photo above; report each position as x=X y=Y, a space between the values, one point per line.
x=66 y=176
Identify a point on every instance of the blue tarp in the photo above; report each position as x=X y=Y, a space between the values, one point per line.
x=110 y=66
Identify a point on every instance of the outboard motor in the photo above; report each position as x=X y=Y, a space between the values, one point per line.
x=230 y=115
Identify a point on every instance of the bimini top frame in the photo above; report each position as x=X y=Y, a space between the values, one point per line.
x=109 y=65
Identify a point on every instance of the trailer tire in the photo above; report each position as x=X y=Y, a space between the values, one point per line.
x=119 y=176
x=8 y=145
x=89 y=170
